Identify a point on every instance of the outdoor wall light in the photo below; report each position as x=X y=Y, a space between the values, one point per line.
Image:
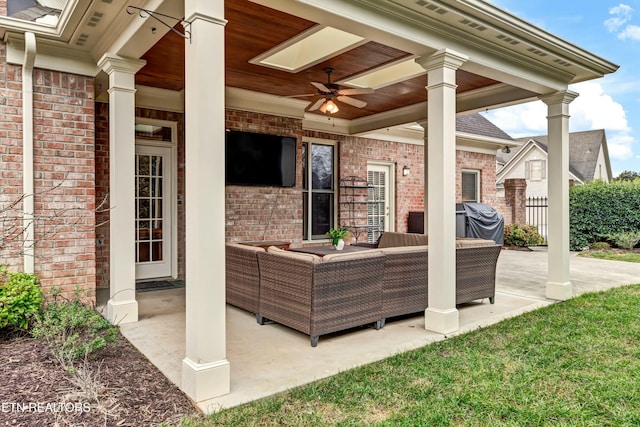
x=406 y=171
x=506 y=150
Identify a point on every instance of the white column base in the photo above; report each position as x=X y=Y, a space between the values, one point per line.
x=121 y=312
x=559 y=291
x=441 y=321
x=203 y=381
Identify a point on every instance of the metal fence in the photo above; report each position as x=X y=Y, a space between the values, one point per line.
x=537 y=214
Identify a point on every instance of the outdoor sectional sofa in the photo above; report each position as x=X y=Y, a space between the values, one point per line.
x=318 y=296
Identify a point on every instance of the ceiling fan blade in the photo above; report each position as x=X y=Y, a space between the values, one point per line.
x=356 y=91
x=321 y=87
x=300 y=96
x=351 y=101
x=317 y=104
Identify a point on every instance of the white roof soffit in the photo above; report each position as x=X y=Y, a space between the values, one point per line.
x=500 y=46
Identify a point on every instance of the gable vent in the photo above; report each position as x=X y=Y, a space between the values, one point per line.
x=433 y=7
x=82 y=39
x=473 y=25
x=508 y=40
x=562 y=62
x=536 y=51
x=95 y=19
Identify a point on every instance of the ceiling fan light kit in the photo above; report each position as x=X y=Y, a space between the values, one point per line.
x=329 y=107
x=329 y=91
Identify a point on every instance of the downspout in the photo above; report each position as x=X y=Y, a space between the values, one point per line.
x=27 y=153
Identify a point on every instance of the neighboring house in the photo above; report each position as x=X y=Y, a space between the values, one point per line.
x=588 y=160
x=113 y=126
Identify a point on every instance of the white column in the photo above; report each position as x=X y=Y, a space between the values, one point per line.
x=558 y=285
x=425 y=196
x=205 y=370
x=122 y=306
x=440 y=162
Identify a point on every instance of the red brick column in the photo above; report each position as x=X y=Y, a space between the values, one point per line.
x=3 y=7
x=515 y=193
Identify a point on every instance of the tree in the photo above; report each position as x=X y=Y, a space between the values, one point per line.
x=627 y=176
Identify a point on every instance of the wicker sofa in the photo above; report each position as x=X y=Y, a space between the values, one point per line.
x=318 y=296
x=406 y=271
x=242 y=276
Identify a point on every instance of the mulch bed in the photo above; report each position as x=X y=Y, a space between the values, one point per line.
x=36 y=391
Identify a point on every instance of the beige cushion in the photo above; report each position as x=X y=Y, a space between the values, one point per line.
x=351 y=255
x=247 y=247
x=391 y=239
x=296 y=255
x=471 y=243
x=405 y=249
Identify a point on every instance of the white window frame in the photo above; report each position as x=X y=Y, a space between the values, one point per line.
x=309 y=192
x=477 y=189
x=528 y=167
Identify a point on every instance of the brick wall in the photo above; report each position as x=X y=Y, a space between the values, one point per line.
x=265 y=213
x=3 y=7
x=354 y=155
x=64 y=172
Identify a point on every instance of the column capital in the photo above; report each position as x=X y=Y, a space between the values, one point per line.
x=562 y=97
x=110 y=63
x=446 y=58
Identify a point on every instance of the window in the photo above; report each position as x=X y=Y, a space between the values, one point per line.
x=470 y=186
x=535 y=170
x=318 y=189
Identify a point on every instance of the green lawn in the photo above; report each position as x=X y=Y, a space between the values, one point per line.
x=612 y=255
x=575 y=363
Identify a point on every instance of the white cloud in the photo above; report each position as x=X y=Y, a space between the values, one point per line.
x=593 y=109
x=630 y=32
x=622 y=15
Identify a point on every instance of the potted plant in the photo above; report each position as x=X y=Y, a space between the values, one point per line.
x=337 y=236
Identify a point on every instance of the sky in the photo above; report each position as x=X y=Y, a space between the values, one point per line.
x=611 y=30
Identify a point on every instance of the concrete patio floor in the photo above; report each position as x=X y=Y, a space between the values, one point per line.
x=272 y=358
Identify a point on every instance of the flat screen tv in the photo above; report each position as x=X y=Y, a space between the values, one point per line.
x=260 y=159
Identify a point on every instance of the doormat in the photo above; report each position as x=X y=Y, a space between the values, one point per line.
x=159 y=284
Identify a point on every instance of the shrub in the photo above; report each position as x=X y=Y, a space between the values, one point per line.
x=522 y=235
x=600 y=245
x=626 y=239
x=599 y=210
x=72 y=330
x=20 y=299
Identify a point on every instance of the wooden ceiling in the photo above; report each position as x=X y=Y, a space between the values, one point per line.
x=253 y=29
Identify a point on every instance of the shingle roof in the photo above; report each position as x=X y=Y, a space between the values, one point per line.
x=584 y=148
x=478 y=125
x=29 y=10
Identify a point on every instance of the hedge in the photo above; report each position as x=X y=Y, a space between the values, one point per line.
x=599 y=210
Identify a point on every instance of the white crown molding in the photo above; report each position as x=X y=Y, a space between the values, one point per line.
x=52 y=56
x=242 y=99
x=160 y=99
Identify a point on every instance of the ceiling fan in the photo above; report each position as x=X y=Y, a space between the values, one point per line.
x=330 y=92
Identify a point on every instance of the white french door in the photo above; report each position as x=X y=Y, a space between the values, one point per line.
x=380 y=205
x=154 y=210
